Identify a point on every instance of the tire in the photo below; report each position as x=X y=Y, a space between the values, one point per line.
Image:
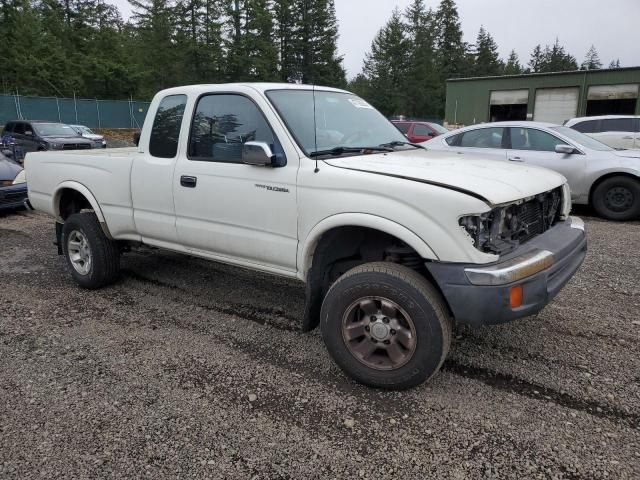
x=396 y=292
x=97 y=264
x=617 y=198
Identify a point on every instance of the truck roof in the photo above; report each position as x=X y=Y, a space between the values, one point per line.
x=260 y=87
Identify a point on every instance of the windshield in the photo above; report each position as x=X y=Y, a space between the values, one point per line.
x=82 y=130
x=342 y=120
x=582 y=139
x=54 y=130
x=439 y=128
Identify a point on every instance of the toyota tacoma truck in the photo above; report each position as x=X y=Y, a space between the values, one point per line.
x=395 y=244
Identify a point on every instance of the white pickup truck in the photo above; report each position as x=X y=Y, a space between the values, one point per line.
x=395 y=243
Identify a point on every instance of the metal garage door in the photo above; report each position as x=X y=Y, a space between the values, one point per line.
x=509 y=97
x=556 y=105
x=613 y=92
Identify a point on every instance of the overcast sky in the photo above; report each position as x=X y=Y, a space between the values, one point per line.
x=610 y=25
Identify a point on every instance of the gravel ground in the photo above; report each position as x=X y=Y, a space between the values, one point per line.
x=192 y=369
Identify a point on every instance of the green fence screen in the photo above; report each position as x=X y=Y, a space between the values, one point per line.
x=92 y=113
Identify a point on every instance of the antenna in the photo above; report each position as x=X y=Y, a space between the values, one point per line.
x=315 y=126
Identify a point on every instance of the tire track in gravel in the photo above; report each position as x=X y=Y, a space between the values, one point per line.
x=491 y=378
x=513 y=384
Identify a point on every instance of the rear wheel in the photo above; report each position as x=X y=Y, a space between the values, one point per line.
x=93 y=259
x=617 y=198
x=386 y=326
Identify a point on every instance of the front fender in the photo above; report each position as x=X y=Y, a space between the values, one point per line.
x=305 y=254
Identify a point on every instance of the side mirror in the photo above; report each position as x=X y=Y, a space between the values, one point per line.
x=565 y=149
x=28 y=133
x=136 y=138
x=258 y=154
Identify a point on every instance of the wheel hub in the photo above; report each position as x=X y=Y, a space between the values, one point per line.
x=619 y=199
x=79 y=252
x=379 y=333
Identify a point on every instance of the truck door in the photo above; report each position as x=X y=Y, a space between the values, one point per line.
x=229 y=210
x=152 y=174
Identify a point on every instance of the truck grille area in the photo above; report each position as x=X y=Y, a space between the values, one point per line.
x=504 y=228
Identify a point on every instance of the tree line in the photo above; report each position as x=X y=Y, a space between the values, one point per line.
x=86 y=48
x=414 y=54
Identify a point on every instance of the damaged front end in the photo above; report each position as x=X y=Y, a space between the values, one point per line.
x=505 y=227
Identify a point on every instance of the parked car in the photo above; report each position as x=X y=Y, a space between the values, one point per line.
x=33 y=135
x=607 y=179
x=393 y=242
x=418 y=132
x=13 y=187
x=98 y=140
x=618 y=131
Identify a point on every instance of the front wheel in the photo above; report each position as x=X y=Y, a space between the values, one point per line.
x=92 y=259
x=386 y=326
x=617 y=198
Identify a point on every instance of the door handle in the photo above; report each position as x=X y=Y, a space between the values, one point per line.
x=627 y=138
x=188 y=182
x=516 y=159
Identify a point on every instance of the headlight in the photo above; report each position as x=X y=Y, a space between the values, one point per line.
x=20 y=178
x=55 y=146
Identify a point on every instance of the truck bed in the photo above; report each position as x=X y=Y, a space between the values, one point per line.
x=104 y=174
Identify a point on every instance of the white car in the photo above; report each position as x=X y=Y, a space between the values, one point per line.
x=394 y=243
x=598 y=175
x=618 y=131
x=98 y=140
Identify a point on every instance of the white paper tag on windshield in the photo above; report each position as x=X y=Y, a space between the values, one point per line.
x=359 y=103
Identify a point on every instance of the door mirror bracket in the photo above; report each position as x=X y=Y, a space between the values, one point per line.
x=565 y=149
x=258 y=154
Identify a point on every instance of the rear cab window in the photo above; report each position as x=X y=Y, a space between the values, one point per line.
x=165 y=133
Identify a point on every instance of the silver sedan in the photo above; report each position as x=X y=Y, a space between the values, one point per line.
x=598 y=175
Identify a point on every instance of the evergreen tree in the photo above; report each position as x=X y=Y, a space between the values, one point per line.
x=556 y=59
x=513 y=67
x=421 y=77
x=487 y=60
x=386 y=65
x=592 y=60
x=156 y=54
x=286 y=24
x=615 y=64
x=452 y=58
x=537 y=59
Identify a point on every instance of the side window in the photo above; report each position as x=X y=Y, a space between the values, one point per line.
x=223 y=124
x=637 y=120
x=617 y=125
x=454 y=140
x=482 y=138
x=403 y=127
x=8 y=128
x=421 y=130
x=18 y=128
x=590 y=126
x=532 y=139
x=165 y=132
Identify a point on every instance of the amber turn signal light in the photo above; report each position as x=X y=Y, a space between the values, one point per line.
x=516 y=296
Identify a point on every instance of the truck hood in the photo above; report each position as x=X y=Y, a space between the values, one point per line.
x=494 y=182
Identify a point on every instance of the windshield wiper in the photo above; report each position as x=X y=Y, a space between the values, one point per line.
x=337 y=151
x=398 y=143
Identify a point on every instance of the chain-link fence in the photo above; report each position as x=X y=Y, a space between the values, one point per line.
x=80 y=111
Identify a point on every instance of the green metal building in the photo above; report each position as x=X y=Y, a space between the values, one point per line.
x=544 y=97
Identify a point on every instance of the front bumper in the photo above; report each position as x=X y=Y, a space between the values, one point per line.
x=480 y=294
x=14 y=196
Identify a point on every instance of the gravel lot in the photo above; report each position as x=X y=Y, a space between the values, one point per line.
x=192 y=369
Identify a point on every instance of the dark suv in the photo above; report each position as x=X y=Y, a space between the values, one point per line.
x=33 y=136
